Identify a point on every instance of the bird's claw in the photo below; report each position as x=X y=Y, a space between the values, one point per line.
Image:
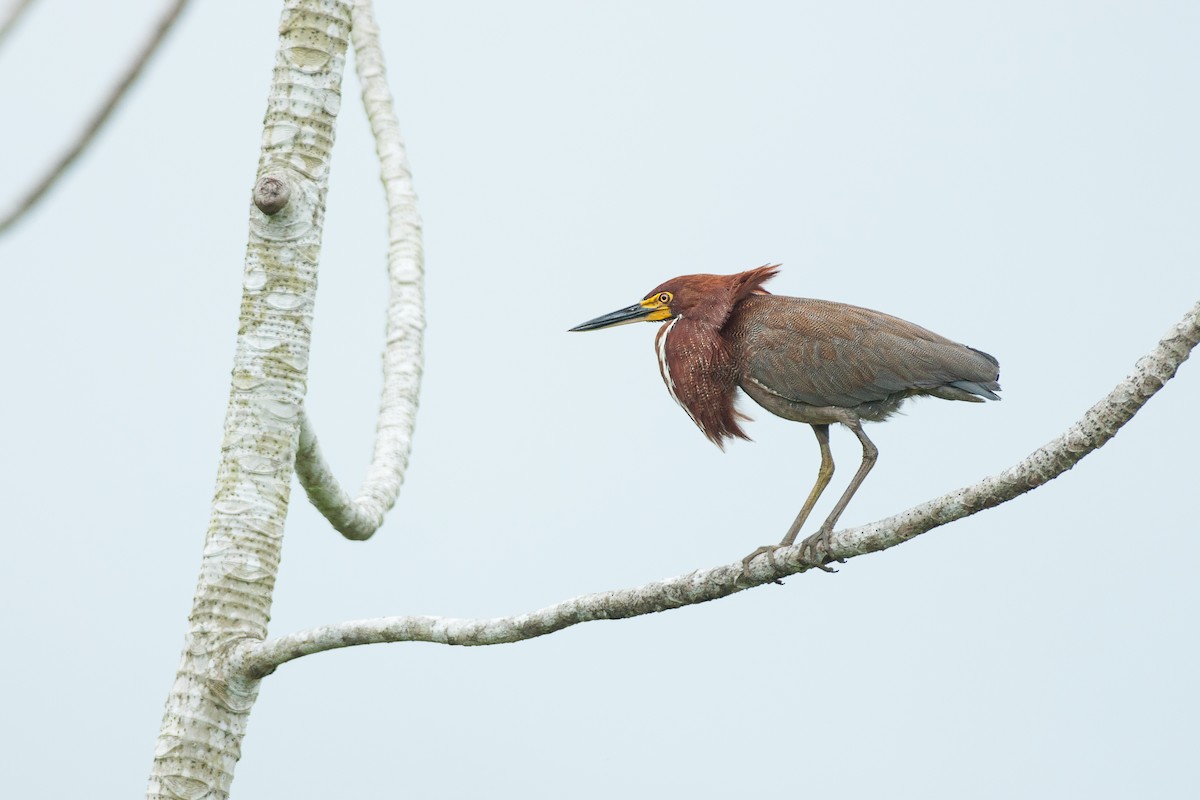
x=808 y=556
x=814 y=562
x=809 y=551
x=769 y=549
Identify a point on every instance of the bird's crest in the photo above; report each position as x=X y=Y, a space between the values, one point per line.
x=710 y=299
x=751 y=281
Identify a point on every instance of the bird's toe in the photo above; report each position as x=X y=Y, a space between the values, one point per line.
x=768 y=549
x=815 y=551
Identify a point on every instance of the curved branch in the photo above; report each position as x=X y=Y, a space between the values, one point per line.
x=360 y=517
x=97 y=122
x=1097 y=426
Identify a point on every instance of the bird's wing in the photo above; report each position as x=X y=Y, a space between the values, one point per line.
x=830 y=354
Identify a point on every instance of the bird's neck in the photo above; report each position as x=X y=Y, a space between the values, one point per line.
x=698 y=368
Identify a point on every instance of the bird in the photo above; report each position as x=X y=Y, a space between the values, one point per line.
x=806 y=360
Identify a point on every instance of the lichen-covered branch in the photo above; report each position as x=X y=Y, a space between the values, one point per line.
x=207 y=708
x=360 y=517
x=85 y=137
x=1098 y=425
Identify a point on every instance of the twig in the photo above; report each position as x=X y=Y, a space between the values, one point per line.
x=14 y=14
x=89 y=132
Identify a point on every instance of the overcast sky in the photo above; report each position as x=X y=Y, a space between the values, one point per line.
x=1021 y=177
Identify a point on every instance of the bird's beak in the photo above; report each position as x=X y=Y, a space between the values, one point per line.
x=634 y=313
x=645 y=311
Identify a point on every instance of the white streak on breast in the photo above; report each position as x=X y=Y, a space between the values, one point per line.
x=664 y=368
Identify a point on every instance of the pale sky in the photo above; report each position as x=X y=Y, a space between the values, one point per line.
x=1020 y=177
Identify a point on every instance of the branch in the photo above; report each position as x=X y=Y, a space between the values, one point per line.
x=93 y=127
x=18 y=8
x=360 y=517
x=1098 y=425
x=207 y=709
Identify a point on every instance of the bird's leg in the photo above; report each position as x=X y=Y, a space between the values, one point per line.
x=824 y=474
x=821 y=537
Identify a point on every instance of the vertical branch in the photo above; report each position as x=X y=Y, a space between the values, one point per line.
x=360 y=517
x=205 y=717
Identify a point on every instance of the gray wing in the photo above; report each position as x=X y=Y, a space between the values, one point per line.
x=830 y=354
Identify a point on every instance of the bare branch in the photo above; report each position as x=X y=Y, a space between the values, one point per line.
x=360 y=517
x=18 y=8
x=93 y=127
x=1097 y=426
x=205 y=716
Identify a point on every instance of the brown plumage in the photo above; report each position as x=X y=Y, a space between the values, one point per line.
x=811 y=361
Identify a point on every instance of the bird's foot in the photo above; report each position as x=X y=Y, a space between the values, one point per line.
x=808 y=556
x=769 y=549
x=811 y=547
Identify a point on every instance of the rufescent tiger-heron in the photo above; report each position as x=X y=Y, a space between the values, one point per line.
x=806 y=360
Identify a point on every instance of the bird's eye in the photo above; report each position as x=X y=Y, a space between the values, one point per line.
x=664 y=298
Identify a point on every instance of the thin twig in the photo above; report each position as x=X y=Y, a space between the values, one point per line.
x=14 y=14
x=1097 y=426
x=359 y=518
x=89 y=132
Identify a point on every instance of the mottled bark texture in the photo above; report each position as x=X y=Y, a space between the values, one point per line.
x=208 y=706
x=359 y=517
x=1098 y=425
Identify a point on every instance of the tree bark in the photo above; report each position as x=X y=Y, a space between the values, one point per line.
x=207 y=708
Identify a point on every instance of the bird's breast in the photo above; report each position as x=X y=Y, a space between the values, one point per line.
x=661 y=344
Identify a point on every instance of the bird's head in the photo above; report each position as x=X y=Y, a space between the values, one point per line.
x=702 y=298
